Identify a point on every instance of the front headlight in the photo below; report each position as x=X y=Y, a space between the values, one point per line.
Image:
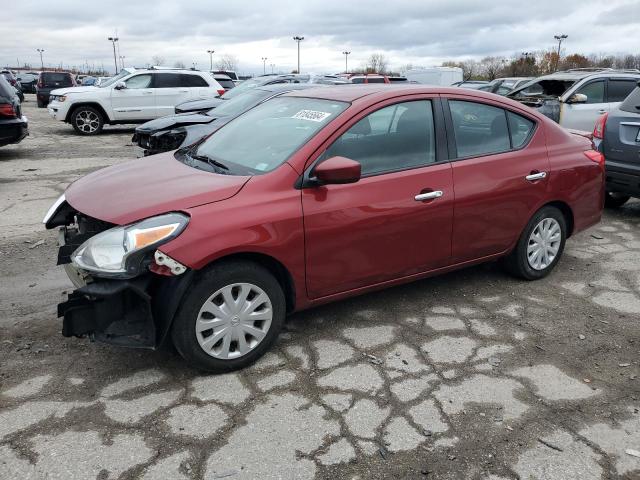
x=121 y=251
x=61 y=98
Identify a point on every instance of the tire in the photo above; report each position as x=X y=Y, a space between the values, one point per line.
x=615 y=200
x=519 y=263
x=87 y=120
x=212 y=350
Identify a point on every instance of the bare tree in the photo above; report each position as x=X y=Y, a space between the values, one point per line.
x=377 y=63
x=405 y=68
x=179 y=64
x=227 y=62
x=490 y=67
x=157 y=60
x=470 y=68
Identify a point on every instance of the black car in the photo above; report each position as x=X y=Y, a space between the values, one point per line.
x=50 y=81
x=27 y=81
x=175 y=131
x=255 y=82
x=13 y=126
x=617 y=136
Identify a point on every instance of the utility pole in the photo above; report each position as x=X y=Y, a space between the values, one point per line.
x=264 y=65
x=41 y=50
x=211 y=52
x=559 y=38
x=346 y=65
x=298 y=39
x=113 y=40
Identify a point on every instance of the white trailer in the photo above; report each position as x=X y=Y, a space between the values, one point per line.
x=442 y=76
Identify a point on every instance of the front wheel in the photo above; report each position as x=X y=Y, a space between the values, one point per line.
x=230 y=317
x=540 y=245
x=87 y=120
x=615 y=200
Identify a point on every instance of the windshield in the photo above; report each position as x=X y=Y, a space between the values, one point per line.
x=236 y=106
x=112 y=80
x=543 y=88
x=243 y=87
x=266 y=136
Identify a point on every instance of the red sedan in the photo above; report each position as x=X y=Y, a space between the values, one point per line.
x=312 y=197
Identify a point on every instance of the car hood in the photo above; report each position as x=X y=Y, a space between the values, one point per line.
x=138 y=189
x=172 y=121
x=64 y=91
x=199 y=105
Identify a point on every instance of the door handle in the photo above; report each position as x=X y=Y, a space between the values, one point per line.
x=428 y=196
x=184 y=91
x=147 y=93
x=536 y=176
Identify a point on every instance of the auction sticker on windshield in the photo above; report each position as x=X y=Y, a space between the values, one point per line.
x=312 y=115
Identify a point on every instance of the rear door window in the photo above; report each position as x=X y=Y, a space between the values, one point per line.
x=594 y=91
x=520 y=129
x=193 y=81
x=479 y=129
x=375 y=80
x=618 y=90
x=167 y=80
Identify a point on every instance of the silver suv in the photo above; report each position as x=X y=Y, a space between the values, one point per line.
x=576 y=98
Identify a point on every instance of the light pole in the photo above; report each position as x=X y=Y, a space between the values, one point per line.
x=40 y=51
x=264 y=65
x=113 y=40
x=559 y=38
x=121 y=61
x=298 y=39
x=211 y=52
x=273 y=65
x=346 y=67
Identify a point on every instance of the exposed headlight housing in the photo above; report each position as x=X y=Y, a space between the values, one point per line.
x=120 y=251
x=53 y=209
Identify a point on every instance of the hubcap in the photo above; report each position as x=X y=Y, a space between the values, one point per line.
x=234 y=320
x=87 y=121
x=544 y=243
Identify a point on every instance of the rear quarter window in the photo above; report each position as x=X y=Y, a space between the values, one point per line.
x=194 y=81
x=632 y=102
x=57 y=79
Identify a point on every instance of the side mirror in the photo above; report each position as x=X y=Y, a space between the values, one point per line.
x=120 y=86
x=578 y=98
x=337 y=170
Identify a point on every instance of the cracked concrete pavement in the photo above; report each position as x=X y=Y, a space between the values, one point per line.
x=471 y=375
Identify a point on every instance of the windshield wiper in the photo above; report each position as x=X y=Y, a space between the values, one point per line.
x=209 y=160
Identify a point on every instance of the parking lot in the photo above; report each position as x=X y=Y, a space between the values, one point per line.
x=470 y=375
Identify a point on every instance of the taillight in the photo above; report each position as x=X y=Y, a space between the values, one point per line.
x=7 y=110
x=598 y=130
x=221 y=91
x=595 y=156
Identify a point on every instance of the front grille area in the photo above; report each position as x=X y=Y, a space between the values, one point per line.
x=74 y=235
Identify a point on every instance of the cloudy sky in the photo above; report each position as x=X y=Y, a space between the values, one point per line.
x=420 y=32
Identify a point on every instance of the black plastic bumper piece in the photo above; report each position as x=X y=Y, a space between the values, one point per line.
x=129 y=313
x=111 y=311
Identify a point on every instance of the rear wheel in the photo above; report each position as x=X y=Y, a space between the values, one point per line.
x=230 y=318
x=87 y=120
x=615 y=200
x=540 y=245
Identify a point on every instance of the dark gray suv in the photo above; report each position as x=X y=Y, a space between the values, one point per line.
x=617 y=136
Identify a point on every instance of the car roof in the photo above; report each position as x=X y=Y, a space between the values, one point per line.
x=353 y=92
x=285 y=87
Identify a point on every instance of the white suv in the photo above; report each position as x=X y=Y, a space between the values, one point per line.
x=132 y=96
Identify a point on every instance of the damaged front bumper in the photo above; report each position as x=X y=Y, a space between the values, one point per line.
x=135 y=312
x=131 y=313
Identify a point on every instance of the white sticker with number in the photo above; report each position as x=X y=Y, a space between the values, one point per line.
x=311 y=115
